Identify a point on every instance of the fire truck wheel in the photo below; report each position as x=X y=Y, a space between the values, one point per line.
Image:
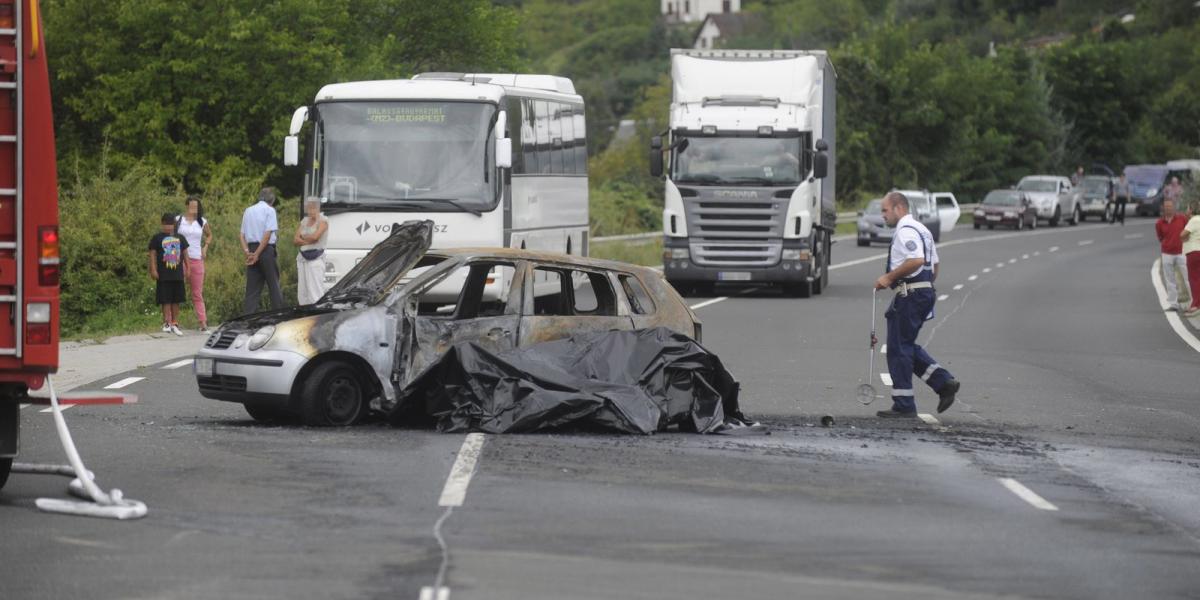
x=5 y=467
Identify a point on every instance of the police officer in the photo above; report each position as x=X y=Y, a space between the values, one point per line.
x=912 y=266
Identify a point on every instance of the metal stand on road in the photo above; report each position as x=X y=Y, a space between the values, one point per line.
x=866 y=391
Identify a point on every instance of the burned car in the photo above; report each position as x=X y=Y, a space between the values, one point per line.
x=402 y=307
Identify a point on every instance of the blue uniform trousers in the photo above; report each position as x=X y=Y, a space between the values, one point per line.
x=904 y=357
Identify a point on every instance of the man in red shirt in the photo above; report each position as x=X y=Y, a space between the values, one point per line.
x=1168 y=228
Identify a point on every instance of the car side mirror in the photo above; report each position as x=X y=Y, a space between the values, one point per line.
x=656 y=156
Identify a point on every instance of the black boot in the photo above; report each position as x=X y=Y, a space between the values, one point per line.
x=946 y=394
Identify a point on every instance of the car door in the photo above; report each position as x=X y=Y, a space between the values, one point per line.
x=571 y=300
x=948 y=210
x=478 y=302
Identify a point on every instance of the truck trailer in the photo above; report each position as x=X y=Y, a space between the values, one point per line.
x=750 y=169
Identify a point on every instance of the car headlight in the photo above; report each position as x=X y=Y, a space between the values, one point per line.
x=261 y=337
x=1008 y=214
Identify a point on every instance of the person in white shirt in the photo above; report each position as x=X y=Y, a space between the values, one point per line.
x=258 y=235
x=195 y=229
x=310 y=259
x=911 y=269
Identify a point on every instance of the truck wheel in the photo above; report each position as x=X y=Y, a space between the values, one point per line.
x=818 y=283
x=1057 y=216
x=334 y=395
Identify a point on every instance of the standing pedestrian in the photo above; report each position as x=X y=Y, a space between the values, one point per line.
x=1077 y=177
x=310 y=260
x=194 y=228
x=168 y=270
x=1120 y=199
x=1174 y=192
x=258 y=235
x=1169 y=227
x=1191 y=249
x=911 y=268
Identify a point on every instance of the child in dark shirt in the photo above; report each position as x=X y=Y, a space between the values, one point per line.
x=168 y=269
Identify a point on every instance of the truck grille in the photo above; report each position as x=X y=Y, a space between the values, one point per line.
x=736 y=232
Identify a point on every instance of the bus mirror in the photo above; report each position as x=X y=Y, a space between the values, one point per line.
x=656 y=156
x=504 y=153
x=501 y=124
x=291 y=151
x=820 y=165
x=298 y=119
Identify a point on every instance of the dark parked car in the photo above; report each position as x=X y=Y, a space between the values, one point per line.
x=403 y=306
x=1006 y=208
x=871 y=226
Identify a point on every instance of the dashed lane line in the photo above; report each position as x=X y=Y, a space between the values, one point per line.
x=999 y=265
x=943 y=297
x=973 y=278
x=987 y=269
x=24 y=406
x=957 y=287
x=1012 y=261
x=1086 y=242
x=1054 y=248
x=1173 y=318
x=883 y=349
x=428 y=593
x=1026 y=494
x=177 y=364
x=709 y=302
x=122 y=383
x=1133 y=236
x=886 y=378
x=455 y=490
x=1037 y=253
x=1024 y=257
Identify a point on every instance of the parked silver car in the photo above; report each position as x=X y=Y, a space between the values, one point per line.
x=1052 y=198
x=402 y=307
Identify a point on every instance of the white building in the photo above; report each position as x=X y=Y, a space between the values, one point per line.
x=716 y=27
x=692 y=11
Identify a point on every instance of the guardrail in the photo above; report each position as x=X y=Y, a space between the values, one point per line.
x=637 y=237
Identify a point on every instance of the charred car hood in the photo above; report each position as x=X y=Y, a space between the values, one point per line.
x=386 y=263
x=273 y=317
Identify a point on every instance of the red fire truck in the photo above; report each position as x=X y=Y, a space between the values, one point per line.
x=29 y=259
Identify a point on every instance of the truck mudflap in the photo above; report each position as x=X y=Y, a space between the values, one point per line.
x=10 y=425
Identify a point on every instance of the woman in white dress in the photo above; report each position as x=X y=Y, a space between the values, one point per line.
x=310 y=260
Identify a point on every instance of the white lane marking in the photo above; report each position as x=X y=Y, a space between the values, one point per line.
x=943 y=297
x=886 y=378
x=1026 y=494
x=973 y=278
x=957 y=287
x=1133 y=236
x=1085 y=242
x=464 y=468
x=50 y=409
x=1173 y=318
x=122 y=383
x=1012 y=261
x=176 y=365
x=1024 y=257
x=928 y=418
x=24 y=406
x=428 y=593
x=883 y=349
x=1054 y=248
x=999 y=265
x=1037 y=253
x=708 y=302
x=987 y=269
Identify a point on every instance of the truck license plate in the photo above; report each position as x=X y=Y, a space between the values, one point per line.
x=204 y=367
x=733 y=276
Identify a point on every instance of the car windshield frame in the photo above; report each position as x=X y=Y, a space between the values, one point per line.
x=406 y=155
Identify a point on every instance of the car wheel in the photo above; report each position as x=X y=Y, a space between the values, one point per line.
x=333 y=395
x=1076 y=216
x=5 y=468
x=266 y=414
x=991 y=227
x=864 y=242
x=1108 y=212
x=976 y=225
x=1020 y=224
x=1033 y=222
x=1057 y=216
x=798 y=290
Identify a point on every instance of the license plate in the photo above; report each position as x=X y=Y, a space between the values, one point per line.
x=733 y=276
x=204 y=367
x=993 y=217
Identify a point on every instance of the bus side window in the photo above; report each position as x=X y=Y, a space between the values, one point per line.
x=515 y=132
x=580 y=141
x=556 y=138
x=528 y=138
x=567 y=122
x=541 y=129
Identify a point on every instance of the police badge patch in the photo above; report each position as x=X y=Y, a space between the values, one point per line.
x=911 y=245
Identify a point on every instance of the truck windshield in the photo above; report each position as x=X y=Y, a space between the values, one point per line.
x=423 y=156
x=1146 y=181
x=740 y=160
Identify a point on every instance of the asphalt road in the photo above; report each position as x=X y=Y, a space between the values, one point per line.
x=1069 y=468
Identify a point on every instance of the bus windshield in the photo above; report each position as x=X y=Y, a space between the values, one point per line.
x=426 y=156
x=740 y=160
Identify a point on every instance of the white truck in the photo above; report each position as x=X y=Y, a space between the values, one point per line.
x=749 y=169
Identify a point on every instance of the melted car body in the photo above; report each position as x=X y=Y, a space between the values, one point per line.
x=402 y=307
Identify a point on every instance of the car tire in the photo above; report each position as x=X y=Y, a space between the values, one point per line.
x=266 y=414
x=1020 y=224
x=1057 y=216
x=991 y=227
x=976 y=225
x=1076 y=216
x=5 y=469
x=333 y=395
x=864 y=243
x=1033 y=223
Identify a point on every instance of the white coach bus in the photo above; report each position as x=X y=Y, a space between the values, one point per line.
x=493 y=160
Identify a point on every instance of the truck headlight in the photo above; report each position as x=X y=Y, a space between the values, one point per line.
x=261 y=337
x=675 y=253
x=795 y=254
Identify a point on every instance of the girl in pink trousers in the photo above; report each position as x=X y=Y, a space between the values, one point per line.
x=195 y=229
